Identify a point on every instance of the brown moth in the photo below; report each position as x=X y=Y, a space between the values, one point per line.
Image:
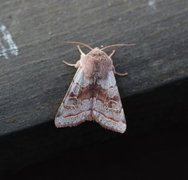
x=93 y=93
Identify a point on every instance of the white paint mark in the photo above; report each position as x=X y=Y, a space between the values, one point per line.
x=7 y=45
x=152 y=4
x=3 y=51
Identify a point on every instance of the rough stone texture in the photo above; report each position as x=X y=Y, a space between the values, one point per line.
x=33 y=83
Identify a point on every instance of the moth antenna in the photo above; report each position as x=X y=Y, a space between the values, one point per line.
x=79 y=43
x=117 y=45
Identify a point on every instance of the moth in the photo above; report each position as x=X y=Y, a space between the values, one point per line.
x=93 y=93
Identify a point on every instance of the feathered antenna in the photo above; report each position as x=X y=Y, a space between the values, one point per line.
x=117 y=45
x=79 y=43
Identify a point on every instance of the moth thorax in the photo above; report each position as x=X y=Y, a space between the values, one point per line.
x=97 y=64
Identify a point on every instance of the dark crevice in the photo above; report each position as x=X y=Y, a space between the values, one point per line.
x=154 y=143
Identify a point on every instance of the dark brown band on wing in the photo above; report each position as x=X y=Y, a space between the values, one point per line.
x=95 y=91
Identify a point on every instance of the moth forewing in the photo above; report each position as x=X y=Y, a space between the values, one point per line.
x=73 y=110
x=107 y=106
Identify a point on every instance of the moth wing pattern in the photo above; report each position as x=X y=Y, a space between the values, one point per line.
x=107 y=105
x=75 y=109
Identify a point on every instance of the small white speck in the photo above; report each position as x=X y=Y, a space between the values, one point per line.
x=152 y=4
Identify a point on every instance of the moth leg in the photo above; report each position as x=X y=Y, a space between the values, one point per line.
x=120 y=74
x=112 y=53
x=81 y=52
x=76 y=65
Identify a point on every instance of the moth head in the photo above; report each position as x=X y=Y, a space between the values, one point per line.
x=97 y=53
